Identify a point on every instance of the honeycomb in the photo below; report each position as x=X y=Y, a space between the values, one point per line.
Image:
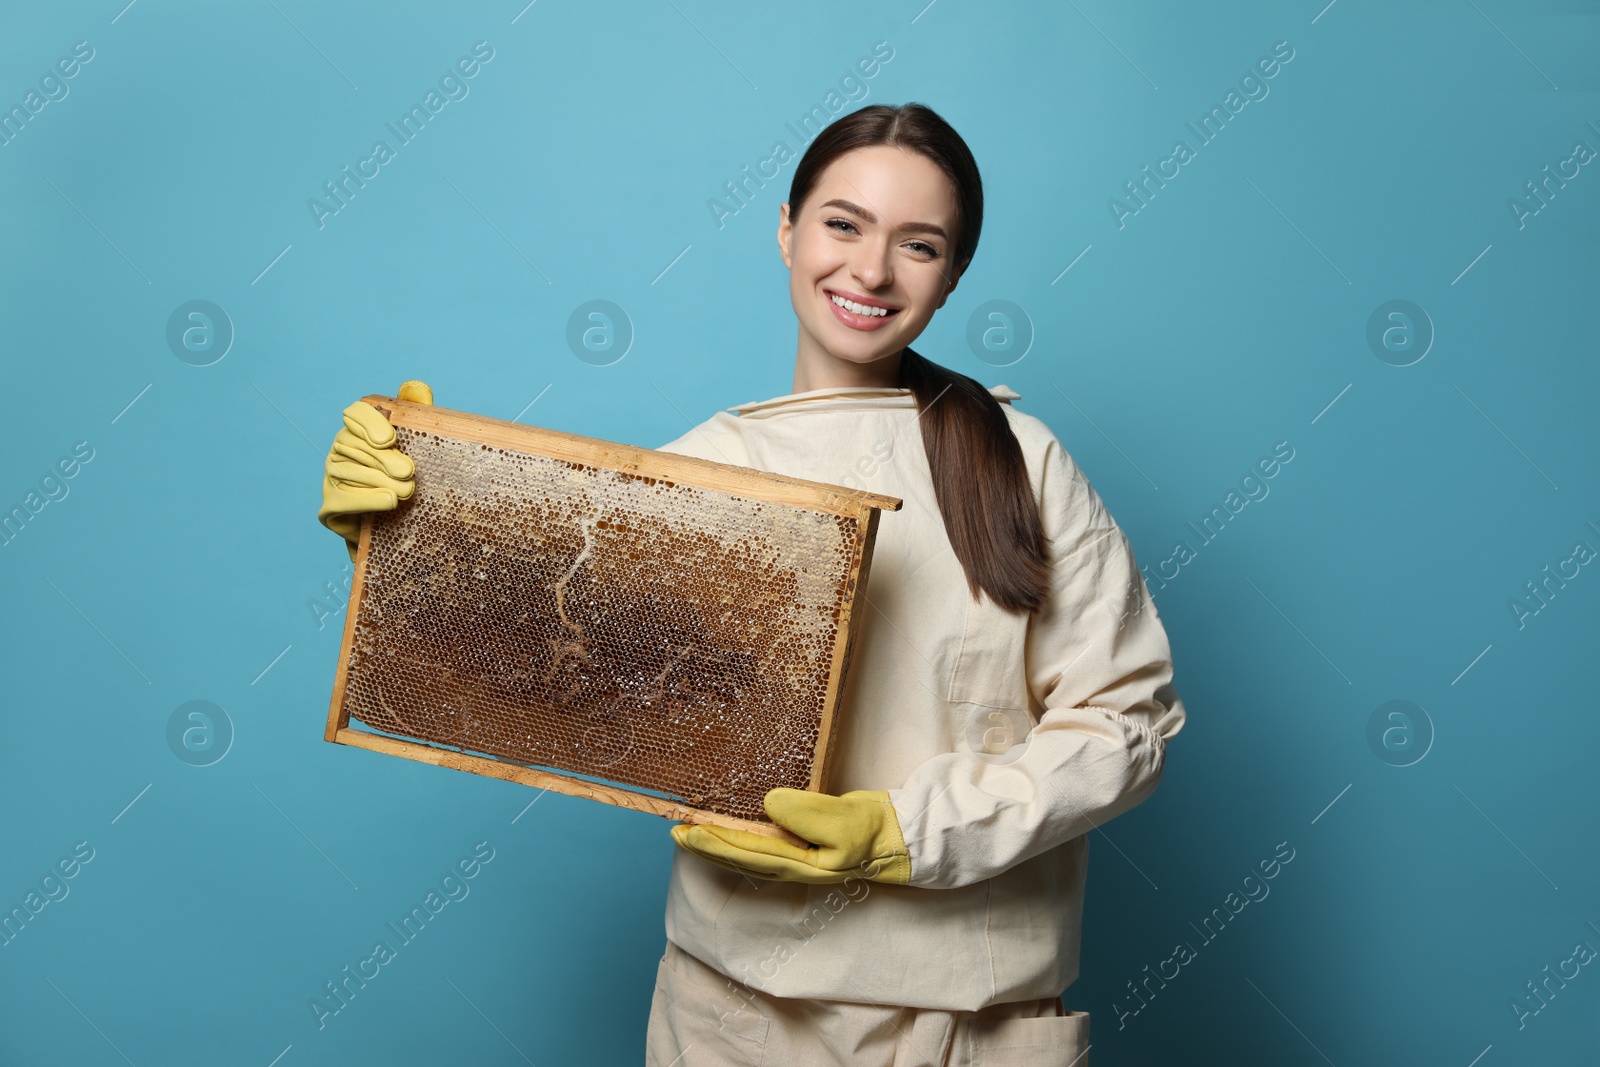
x=662 y=637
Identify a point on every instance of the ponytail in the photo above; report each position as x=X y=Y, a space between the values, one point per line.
x=981 y=483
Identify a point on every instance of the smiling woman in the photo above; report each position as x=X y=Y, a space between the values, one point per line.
x=1003 y=589
x=1010 y=689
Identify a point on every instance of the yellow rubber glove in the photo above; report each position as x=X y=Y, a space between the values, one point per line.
x=364 y=472
x=857 y=835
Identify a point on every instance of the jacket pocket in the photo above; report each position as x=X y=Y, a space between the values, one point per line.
x=991 y=666
x=693 y=1007
x=988 y=687
x=1047 y=1041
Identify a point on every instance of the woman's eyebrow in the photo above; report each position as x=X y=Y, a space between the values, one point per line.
x=910 y=227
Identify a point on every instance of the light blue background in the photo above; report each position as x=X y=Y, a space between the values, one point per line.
x=1229 y=314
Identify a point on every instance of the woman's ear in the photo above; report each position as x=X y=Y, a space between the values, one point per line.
x=785 y=235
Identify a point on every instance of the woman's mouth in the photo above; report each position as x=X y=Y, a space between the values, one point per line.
x=859 y=314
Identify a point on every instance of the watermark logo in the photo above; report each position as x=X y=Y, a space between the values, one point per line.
x=1399 y=733
x=1000 y=333
x=1537 y=595
x=52 y=889
x=52 y=488
x=1255 y=889
x=53 y=88
x=337 y=597
x=1399 y=332
x=1253 y=488
x=607 y=737
x=740 y=191
x=599 y=332
x=407 y=127
x=1254 y=88
x=1542 y=192
x=879 y=457
x=453 y=888
x=997 y=735
x=199 y=332
x=199 y=733
x=1541 y=994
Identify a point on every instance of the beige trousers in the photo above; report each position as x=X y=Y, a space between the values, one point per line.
x=702 y=1018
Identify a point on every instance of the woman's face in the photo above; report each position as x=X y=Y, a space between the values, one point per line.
x=877 y=230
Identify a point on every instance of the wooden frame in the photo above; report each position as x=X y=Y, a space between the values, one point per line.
x=747 y=482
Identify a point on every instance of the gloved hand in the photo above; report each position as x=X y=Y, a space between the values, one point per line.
x=858 y=835
x=364 y=471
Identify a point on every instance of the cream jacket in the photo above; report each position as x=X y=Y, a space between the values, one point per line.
x=1001 y=738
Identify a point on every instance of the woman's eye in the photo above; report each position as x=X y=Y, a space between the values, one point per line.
x=921 y=248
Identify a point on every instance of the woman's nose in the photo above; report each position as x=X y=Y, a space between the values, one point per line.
x=870 y=265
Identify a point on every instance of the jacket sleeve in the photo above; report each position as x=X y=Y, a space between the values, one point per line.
x=1099 y=672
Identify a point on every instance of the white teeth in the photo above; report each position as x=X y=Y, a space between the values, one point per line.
x=860 y=309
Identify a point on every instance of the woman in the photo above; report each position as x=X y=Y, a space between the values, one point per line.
x=1011 y=687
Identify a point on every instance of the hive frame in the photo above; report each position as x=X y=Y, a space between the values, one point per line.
x=629 y=459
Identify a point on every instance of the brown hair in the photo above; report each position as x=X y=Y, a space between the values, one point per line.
x=979 y=477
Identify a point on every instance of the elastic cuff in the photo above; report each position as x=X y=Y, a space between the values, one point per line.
x=896 y=866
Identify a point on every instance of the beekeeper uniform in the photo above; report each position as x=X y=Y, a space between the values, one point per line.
x=1001 y=738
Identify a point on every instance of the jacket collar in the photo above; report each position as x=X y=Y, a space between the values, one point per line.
x=848 y=396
